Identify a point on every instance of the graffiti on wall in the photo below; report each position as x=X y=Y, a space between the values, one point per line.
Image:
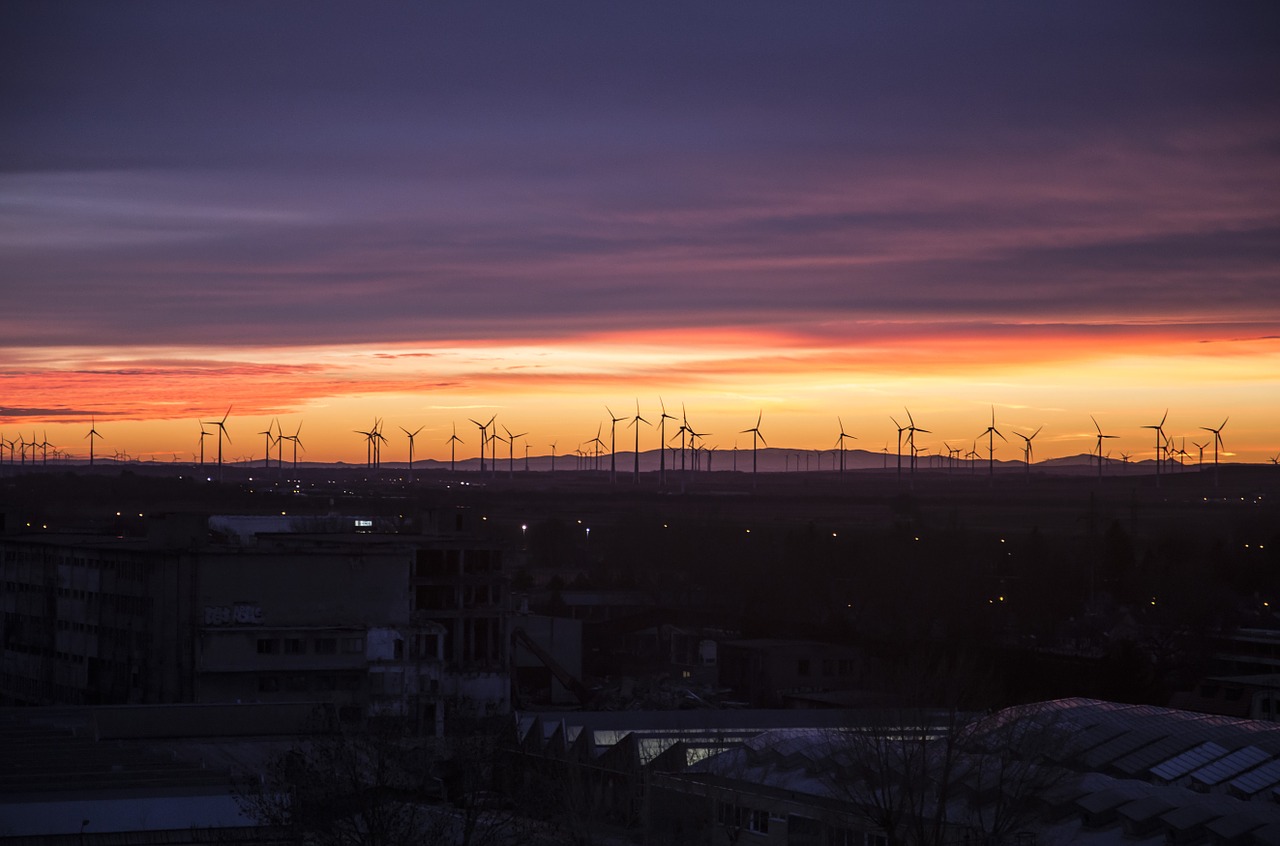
x=240 y=614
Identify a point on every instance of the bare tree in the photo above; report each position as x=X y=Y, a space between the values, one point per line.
x=347 y=787
x=382 y=785
x=924 y=777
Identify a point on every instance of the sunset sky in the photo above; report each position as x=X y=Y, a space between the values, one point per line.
x=425 y=212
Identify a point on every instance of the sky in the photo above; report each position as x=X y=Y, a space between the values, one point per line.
x=814 y=215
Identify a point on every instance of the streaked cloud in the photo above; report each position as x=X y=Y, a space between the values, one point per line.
x=445 y=206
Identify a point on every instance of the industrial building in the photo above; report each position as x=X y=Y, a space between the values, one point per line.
x=229 y=609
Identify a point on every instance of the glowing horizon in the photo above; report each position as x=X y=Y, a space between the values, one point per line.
x=558 y=391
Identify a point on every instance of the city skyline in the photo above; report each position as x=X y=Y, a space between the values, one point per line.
x=334 y=214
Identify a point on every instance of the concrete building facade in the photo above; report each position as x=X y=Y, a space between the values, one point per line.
x=376 y=623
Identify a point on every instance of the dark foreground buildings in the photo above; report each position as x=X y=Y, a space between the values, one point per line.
x=258 y=609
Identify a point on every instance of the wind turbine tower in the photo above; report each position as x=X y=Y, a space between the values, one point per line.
x=901 y=429
x=454 y=440
x=266 y=453
x=411 y=435
x=912 y=428
x=484 y=436
x=992 y=432
x=636 y=421
x=1217 y=442
x=662 y=443
x=1101 y=438
x=1159 y=430
x=1026 y=452
x=222 y=433
x=613 y=444
x=93 y=433
x=755 y=436
x=840 y=443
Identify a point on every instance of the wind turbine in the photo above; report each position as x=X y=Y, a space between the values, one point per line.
x=912 y=428
x=901 y=429
x=511 y=450
x=662 y=440
x=636 y=421
x=695 y=458
x=1217 y=442
x=493 y=447
x=1200 y=448
x=296 y=438
x=755 y=435
x=378 y=440
x=368 y=446
x=613 y=444
x=1159 y=430
x=598 y=446
x=411 y=435
x=484 y=436
x=93 y=433
x=682 y=432
x=204 y=433
x=840 y=443
x=222 y=432
x=453 y=442
x=266 y=453
x=1182 y=454
x=1026 y=452
x=553 y=455
x=1101 y=437
x=991 y=433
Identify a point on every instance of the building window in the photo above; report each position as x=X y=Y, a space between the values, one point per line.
x=735 y=816
x=326 y=645
x=294 y=646
x=353 y=645
x=268 y=684
x=268 y=646
x=802 y=667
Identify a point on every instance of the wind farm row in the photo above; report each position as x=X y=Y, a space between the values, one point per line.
x=673 y=440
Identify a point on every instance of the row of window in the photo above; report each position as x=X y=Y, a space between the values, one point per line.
x=830 y=667
x=40 y=557
x=127 y=602
x=742 y=818
x=318 y=645
x=32 y=629
x=444 y=563
x=301 y=683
